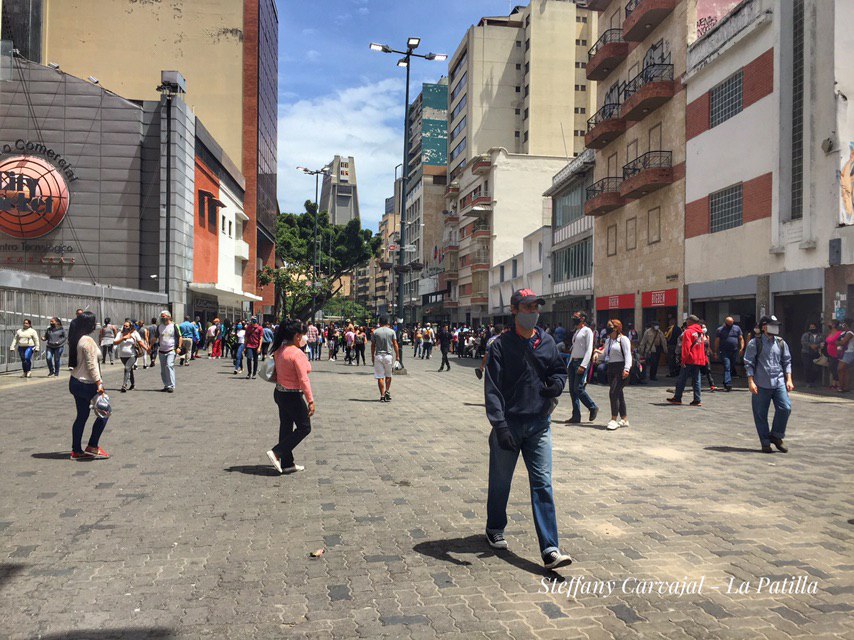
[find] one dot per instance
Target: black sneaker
(593, 413)
(696, 403)
(382, 399)
(387, 396)
(496, 540)
(574, 421)
(778, 442)
(766, 448)
(556, 559)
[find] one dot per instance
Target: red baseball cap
(525, 296)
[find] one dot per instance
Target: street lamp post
(316, 173)
(405, 61)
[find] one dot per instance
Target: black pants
(652, 363)
(292, 412)
(251, 361)
(445, 362)
(615, 393)
(265, 347)
(105, 350)
(707, 371)
(360, 351)
(672, 359)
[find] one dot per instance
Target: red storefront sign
(606, 303)
(663, 298)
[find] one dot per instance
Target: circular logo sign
(33, 197)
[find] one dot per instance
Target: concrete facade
(339, 194)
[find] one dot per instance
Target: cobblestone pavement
(187, 532)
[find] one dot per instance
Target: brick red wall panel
(697, 217)
(757, 196)
(205, 232)
(758, 78)
(697, 116)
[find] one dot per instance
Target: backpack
(777, 339)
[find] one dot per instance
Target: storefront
(659, 306)
(621, 307)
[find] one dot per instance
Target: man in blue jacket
(524, 377)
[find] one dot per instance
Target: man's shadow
(476, 544)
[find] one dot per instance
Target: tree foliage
(341, 249)
(347, 309)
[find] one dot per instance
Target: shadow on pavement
(474, 404)
(374, 400)
(8, 570)
(254, 470)
(725, 449)
(597, 427)
(56, 455)
(154, 633)
(476, 544)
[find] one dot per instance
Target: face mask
(772, 329)
(527, 320)
(610, 328)
(303, 341)
(239, 327)
(576, 321)
(705, 330)
(164, 320)
(814, 330)
(655, 326)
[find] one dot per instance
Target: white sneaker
(293, 468)
(274, 460)
(623, 423)
(613, 425)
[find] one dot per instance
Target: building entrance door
(795, 311)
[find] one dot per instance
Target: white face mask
(772, 329)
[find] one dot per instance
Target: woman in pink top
(832, 356)
(293, 394)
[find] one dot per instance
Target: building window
(653, 225)
(725, 99)
(581, 110)
(580, 65)
(581, 87)
(581, 43)
(518, 89)
(501, 273)
(459, 108)
(725, 208)
(612, 240)
(223, 223)
(579, 133)
(631, 234)
(798, 111)
(518, 67)
(574, 261)
(230, 228)
(459, 128)
(459, 87)
(458, 64)
(569, 206)
(518, 43)
(540, 252)
(518, 133)
(458, 150)
(517, 111)
(515, 268)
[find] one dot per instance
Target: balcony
(481, 230)
(479, 261)
(604, 127)
(452, 190)
(416, 265)
(481, 165)
(647, 91)
(642, 16)
(386, 264)
(598, 5)
(604, 196)
(647, 173)
(609, 51)
(450, 217)
(479, 298)
(241, 249)
(477, 206)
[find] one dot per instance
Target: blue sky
(337, 96)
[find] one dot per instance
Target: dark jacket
(512, 387)
(444, 340)
(55, 337)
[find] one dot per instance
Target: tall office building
(518, 99)
(425, 194)
(339, 195)
(226, 49)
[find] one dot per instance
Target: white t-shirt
(619, 350)
(126, 346)
(166, 335)
(241, 336)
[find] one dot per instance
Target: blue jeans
(729, 358)
(54, 358)
(26, 355)
(535, 438)
(578, 390)
(782, 409)
(694, 371)
(238, 357)
(83, 393)
(167, 369)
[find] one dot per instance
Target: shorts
(848, 358)
(383, 365)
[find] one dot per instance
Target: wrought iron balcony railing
(647, 75)
(649, 160)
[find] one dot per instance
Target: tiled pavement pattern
(187, 533)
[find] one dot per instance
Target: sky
(338, 97)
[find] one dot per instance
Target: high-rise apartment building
(424, 200)
(226, 49)
(638, 133)
(518, 99)
(339, 195)
(769, 219)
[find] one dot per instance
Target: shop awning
(212, 289)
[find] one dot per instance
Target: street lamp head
(375, 46)
(438, 57)
(403, 62)
(413, 43)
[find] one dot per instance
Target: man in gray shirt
(384, 351)
(579, 360)
(769, 376)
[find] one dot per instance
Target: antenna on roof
(563, 135)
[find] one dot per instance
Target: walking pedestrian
(216, 339)
(617, 352)
(359, 344)
(55, 339)
(292, 395)
(524, 376)
(811, 342)
(427, 340)
(693, 360)
(189, 333)
(253, 339)
(652, 345)
(106, 338)
(130, 345)
(84, 384)
(384, 351)
(769, 376)
(198, 336)
(152, 342)
(26, 342)
(706, 369)
(672, 335)
(579, 361)
(239, 347)
(313, 335)
(168, 338)
(444, 338)
(349, 341)
(729, 345)
(266, 340)
(417, 341)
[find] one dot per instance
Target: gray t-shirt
(383, 340)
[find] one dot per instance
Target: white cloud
(364, 11)
(364, 122)
(312, 55)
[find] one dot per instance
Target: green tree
(341, 250)
(347, 309)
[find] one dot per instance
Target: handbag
(541, 374)
(269, 369)
(821, 361)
